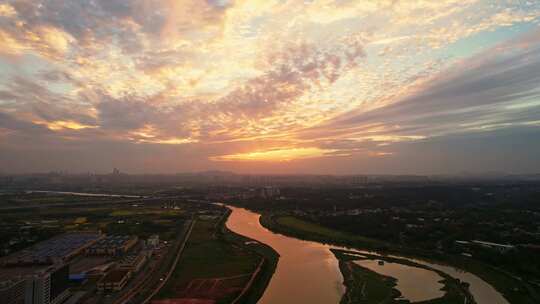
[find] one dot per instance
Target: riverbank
(220, 265)
(514, 290)
(367, 286)
(269, 261)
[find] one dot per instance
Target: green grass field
(298, 224)
(208, 257)
(306, 229)
(365, 286)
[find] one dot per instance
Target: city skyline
(270, 87)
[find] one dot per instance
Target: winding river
(307, 272)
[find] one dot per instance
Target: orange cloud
(7, 10)
(63, 124)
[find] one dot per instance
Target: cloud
(293, 72)
(230, 78)
(11, 123)
(34, 101)
(124, 114)
(476, 92)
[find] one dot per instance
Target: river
(408, 278)
(307, 272)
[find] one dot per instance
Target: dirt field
(214, 288)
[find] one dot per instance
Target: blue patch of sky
(25, 66)
(29, 67)
(479, 42)
(6, 71)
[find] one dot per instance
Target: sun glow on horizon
(286, 154)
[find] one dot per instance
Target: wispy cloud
(498, 85)
(261, 80)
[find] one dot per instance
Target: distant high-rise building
(269, 192)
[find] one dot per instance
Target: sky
(270, 86)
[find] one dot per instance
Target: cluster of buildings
(130, 263)
(114, 280)
(35, 286)
(56, 250)
(266, 192)
(41, 273)
(269, 192)
(113, 245)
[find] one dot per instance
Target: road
(158, 276)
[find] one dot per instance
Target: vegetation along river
(308, 272)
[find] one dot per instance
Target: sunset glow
(222, 82)
(275, 155)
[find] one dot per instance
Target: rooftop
(112, 241)
(114, 276)
(57, 247)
